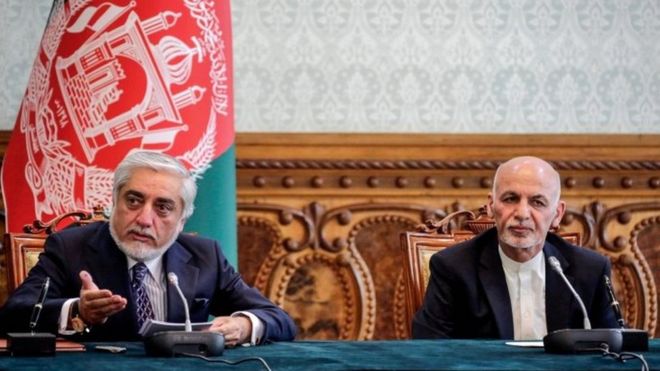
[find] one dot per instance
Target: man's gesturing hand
(97, 305)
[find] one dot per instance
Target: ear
(182, 223)
(489, 205)
(559, 214)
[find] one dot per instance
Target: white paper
(526, 344)
(150, 327)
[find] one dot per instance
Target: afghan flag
(116, 76)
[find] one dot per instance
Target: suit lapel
(491, 275)
(176, 261)
(108, 266)
(109, 269)
(558, 298)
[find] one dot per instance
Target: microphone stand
(33, 343)
(580, 340)
(171, 343)
(633, 339)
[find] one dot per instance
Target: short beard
(139, 251)
(523, 246)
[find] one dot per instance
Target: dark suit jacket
(210, 285)
(467, 295)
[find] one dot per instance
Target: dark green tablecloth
(346, 355)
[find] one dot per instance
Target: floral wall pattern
(516, 66)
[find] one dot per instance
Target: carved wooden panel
(319, 215)
(331, 269)
(340, 272)
(324, 214)
(630, 236)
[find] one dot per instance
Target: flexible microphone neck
(554, 264)
(187, 342)
(174, 280)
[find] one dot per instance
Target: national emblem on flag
(111, 77)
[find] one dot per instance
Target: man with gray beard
(499, 285)
(107, 279)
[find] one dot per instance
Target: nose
(522, 211)
(144, 217)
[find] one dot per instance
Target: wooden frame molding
(320, 215)
(348, 197)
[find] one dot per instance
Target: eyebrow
(545, 200)
(533, 197)
(164, 200)
(133, 193)
(158, 199)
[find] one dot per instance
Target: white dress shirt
(155, 285)
(526, 284)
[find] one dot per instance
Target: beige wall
(418, 66)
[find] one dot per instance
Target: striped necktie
(144, 310)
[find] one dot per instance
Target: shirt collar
(154, 265)
(534, 264)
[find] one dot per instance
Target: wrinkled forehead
(530, 176)
(154, 183)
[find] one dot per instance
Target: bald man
(499, 284)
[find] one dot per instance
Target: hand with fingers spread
(96, 305)
(236, 330)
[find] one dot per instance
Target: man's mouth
(140, 236)
(519, 230)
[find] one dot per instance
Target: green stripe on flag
(215, 206)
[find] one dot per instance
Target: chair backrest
(420, 245)
(22, 249)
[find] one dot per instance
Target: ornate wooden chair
(420, 245)
(22, 249)
(638, 305)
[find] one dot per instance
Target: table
(343, 355)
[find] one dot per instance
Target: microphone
(554, 264)
(36, 311)
(614, 303)
(174, 280)
(580, 340)
(171, 343)
(633, 339)
(33, 343)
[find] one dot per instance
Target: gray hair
(158, 162)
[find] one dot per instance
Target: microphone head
(172, 278)
(554, 264)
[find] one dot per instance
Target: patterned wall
(517, 66)
(22, 24)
